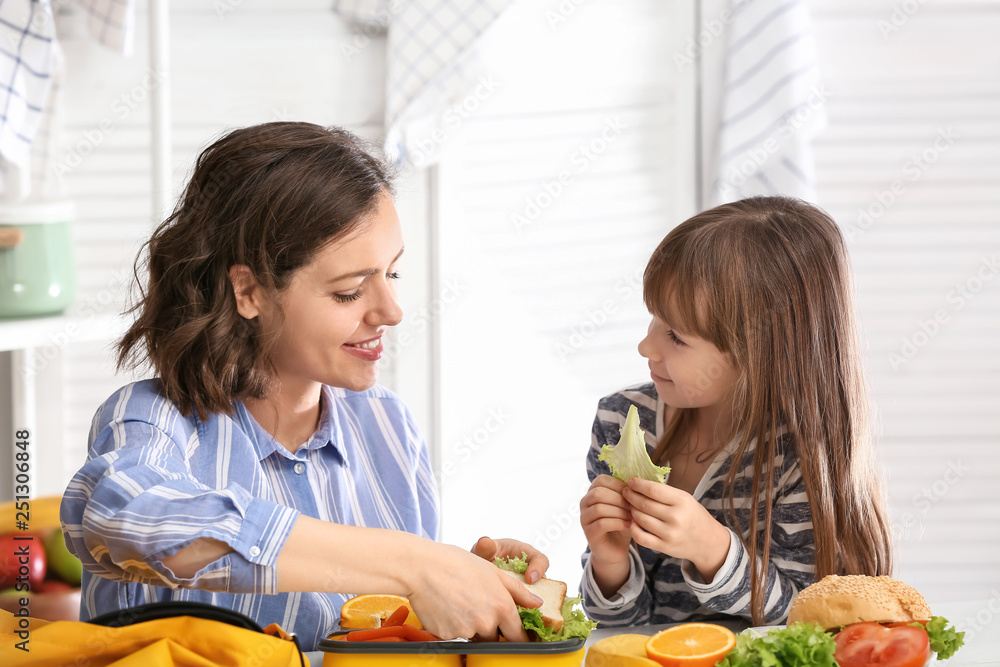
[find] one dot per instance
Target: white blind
(908, 167)
(553, 196)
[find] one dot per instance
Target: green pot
(37, 271)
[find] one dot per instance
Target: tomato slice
(864, 644)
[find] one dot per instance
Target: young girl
(263, 470)
(758, 404)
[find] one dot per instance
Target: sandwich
(868, 613)
(553, 594)
(556, 619)
(851, 621)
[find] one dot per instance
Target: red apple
(22, 561)
(53, 586)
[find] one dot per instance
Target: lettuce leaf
(945, 640)
(575, 623)
(512, 563)
(798, 645)
(629, 457)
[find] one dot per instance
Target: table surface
(980, 619)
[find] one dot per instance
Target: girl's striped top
(664, 589)
(155, 480)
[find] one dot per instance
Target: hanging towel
(31, 71)
(773, 102)
(112, 23)
(432, 66)
(29, 59)
(374, 14)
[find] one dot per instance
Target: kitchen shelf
(58, 330)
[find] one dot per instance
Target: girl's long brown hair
(768, 280)
(268, 197)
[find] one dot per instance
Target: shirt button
(254, 551)
(299, 468)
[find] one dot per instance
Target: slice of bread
(552, 592)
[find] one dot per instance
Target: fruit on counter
(371, 611)
(42, 513)
(620, 651)
(55, 586)
(60, 561)
(690, 645)
(21, 550)
(629, 457)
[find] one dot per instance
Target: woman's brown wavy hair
(268, 197)
(768, 280)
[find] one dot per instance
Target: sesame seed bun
(835, 601)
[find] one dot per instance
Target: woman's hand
(489, 549)
(457, 594)
(607, 521)
(671, 521)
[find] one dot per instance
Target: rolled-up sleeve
(136, 502)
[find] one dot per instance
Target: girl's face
(337, 308)
(689, 372)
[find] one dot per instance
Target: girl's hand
(607, 522)
(671, 521)
(456, 594)
(489, 549)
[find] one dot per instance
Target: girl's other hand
(489, 549)
(456, 594)
(607, 521)
(671, 521)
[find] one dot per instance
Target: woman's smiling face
(337, 308)
(688, 371)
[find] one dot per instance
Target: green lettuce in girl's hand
(629, 457)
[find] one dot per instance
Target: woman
(263, 470)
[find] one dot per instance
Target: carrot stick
(387, 639)
(397, 617)
(414, 635)
(375, 633)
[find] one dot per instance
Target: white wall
(914, 133)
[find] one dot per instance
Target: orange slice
(690, 645)
(368, 611)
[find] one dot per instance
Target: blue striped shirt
(155, 480)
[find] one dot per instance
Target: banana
(43, 515)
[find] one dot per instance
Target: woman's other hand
(489, 549)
